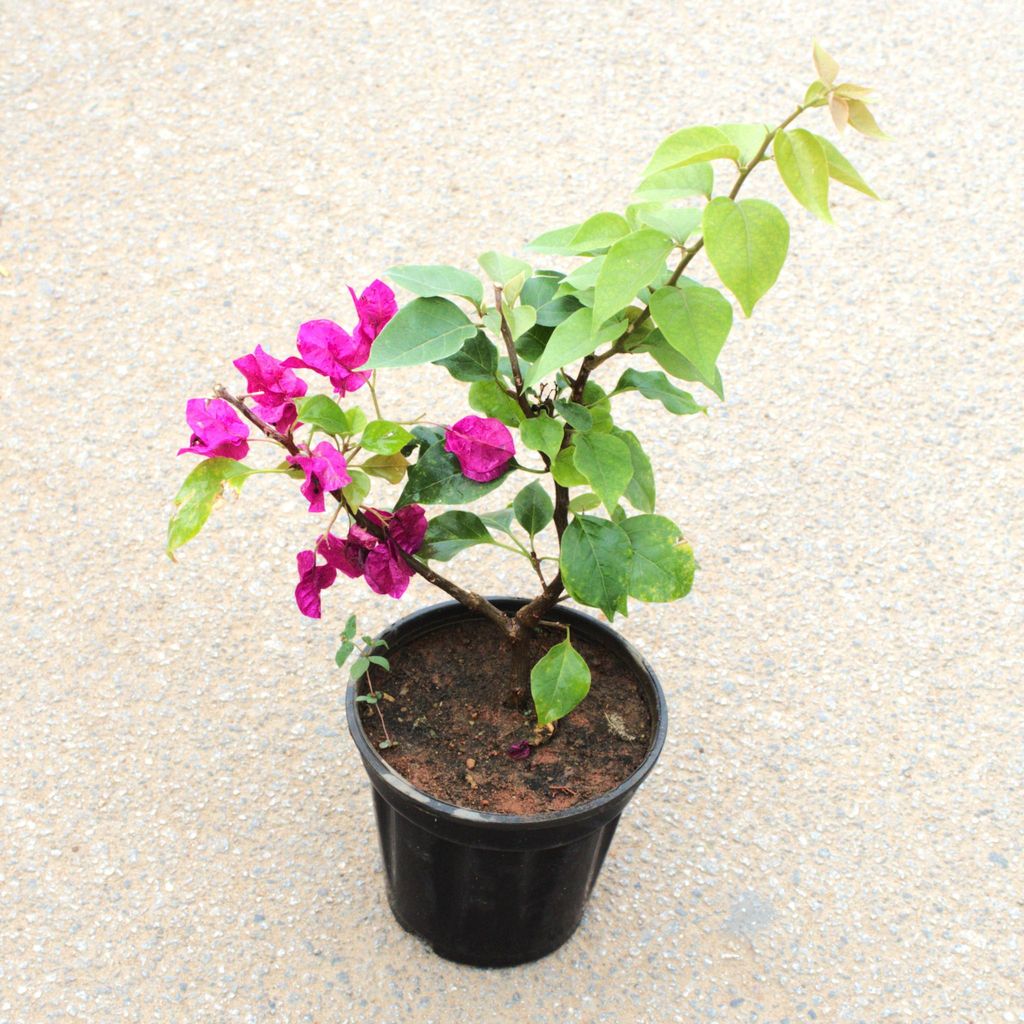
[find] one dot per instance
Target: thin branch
(513, 356)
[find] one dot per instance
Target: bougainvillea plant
(529, 352)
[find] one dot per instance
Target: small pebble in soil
(470, 762)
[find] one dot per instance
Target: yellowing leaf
(826, 66)
(862, 119)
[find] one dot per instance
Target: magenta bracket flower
(313, 579)
(274, 387)
(375, 307)
(325, 469)
(216, 429)
(483, 446)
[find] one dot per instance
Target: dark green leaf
(198, 495)
(388, 467)
(436, 479)
(656, 386)
(489, 398)
(452, 532)
(641, 491)
(577, 416)
(421, 332)
(476, 360)
(533, 508)
(595, 563)
(558, 682)
(663, 565)
(438, 280)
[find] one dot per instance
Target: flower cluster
(375, 552)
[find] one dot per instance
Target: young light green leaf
(606, 463)
(558, 682)
(198, 495)
(816, 95)
(501, 269)
(691, 146)
(598, 232)
(556, 242)
(596, 562)
(676, 364)
(388, 467)
(488, 397)
(435, 279)
(695, 321)
(476, 360)
(585, 275)
(840, 169)
(571, 340)
(863, 120)
(452, 532)
(826, 66)
(678, 183)
(520, 319)
(541, 433)
(533, 508)
(803, 167)
(436, 479)
(584, 502)
(662, 566)
(655, 385)
(324, 413)
(747, 138)
(678, 222)
(641, 490)
(420, 332)
(356, 492)
(385, 437)
(630, 264)
(746, 241)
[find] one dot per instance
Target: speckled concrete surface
(834, 832)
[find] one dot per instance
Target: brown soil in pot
(452, 732)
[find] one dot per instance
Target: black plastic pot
(494, 890)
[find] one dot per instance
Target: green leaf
(531, 344)
(691, 146)
(598, 232)
(388, 467)
(343, 652)
(675, 364)
(197, 496)
(662, 567)
(816, 95)
(501, 269)
(695, 321)
(678, 222)
(678, 183)
(656, 386)
(500, 520)
(541, 292)
(435, 279)
(520, 319)
(487, 397)
(356, 492)
(422, 331)
(541, 433)
(380, 661)
(803, 167)
(605, 461)
(595, 563)
(385, 437)
(599, 406)
(641, 490)
(476, 360)
(324, 413)
(558, 682)
(564, 470)
(863, 120)
(747, 138)
(556, 241)
(571, 340)
(630, 264)
(350, 628)
(452, 532)
(436, 479)
(577, 416)
(533, 508)
(841, 170)
(746, 241)
(584, 502)
(585, 275)
(359, 667)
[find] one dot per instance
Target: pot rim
(491, 820)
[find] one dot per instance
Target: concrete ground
(834, 830)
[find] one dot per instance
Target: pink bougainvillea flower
(482, 445)
(519, 751)
(375, 307)
(325, 470)
(216, 429)
(272, 383)
(406, 526)
(386, 571)
(313, 579)
(347, 555)
(331, 351)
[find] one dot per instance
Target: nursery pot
(494, 890)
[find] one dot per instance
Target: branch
(513, 356)
(284, 440)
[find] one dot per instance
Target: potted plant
(497, 785)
